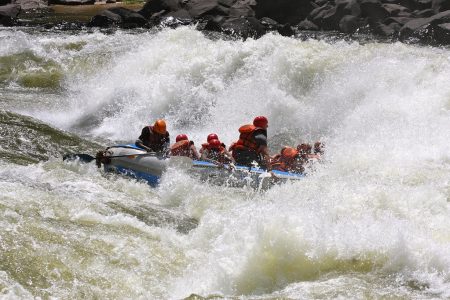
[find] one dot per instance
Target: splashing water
(373, 221)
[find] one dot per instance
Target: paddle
(86, 158)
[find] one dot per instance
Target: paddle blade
(86, 158)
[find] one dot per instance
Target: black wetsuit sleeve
(144, 137)
(167, 142)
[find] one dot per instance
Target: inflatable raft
(135, 162)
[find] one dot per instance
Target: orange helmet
(260, 121)
(289, 152)
(181, 137)
(160, 126)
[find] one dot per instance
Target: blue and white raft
(133, 161)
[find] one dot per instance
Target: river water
(372, 221)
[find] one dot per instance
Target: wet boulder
(119, 16)
(426, 13)
(152, 7)
(307, 25)
(442, 33)
(440, 5)
(245, 27)
(105, 19)
(8, 14)
(349, 24)
(201, 8)
(421, 29)
(130, 18)
(374, 10)
(283, 11)
(395, 10)
(242, 8)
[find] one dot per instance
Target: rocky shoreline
(412, 21)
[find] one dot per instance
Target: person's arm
(194, 150)
(204, 155)
(264, 151)
(140, 141)
(229, 156)
(140, 144)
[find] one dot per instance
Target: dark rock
(174, 22)
(8, 14)
(411, 4)
(307, 25)
(349, 7)
(286, 30)
(373, 10)
(71, 2)
(200, 8)
(269, 23)
(317, 13)
(330, 18)
(424, 4)
(442, 33)
(395, 9)
(243, 27)
(105, 19)
(155, 6)
(348, 24)
(426, 13)
(440, 5)
(243, 8)
(179, 14)
(385, 30)
(214, 23)
(420, 28)
(283, 11)
(398, 20)
(4, 2)
(110, 1)
(130, 18)
(319, 3)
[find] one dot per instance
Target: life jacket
(181, 148)
(287, 161)
(246, 140)
(155, 140)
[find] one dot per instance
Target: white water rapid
(372, 221)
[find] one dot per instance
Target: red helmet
(214, 144)
(212, 136)
(181, 137)
(260, 121)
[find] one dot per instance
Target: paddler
(184, 147)
(155, 138)
(252, 144)
(216, 152)
(289, 160)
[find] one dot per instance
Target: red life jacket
(246, 140)
(287, 160)
(181, 148)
